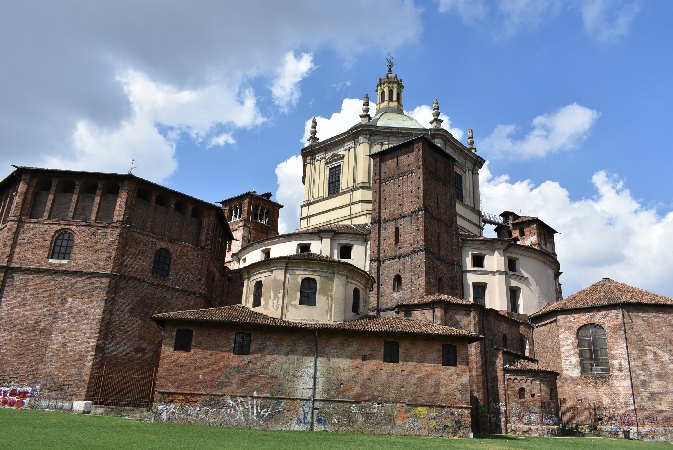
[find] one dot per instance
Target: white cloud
(423, 113)
(96, 72)
(608, 21)
(604, 20)
(338, 122)
(290, 192)
(221, 140)
(608, 235)
(559, 130)
(285, 88)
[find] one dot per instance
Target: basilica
(386, 311)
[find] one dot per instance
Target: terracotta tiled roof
(528, 365)
(605, 292)
(239, 314)
(434, 298)
(339, 228)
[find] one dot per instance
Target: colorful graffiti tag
(14, 396)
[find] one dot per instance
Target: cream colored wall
(353, 204)
(322, 243)
(534, 276)
(281, 288)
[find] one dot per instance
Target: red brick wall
(539, 405)
(412, 191)
(280, 367)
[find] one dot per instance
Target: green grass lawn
(27, 429)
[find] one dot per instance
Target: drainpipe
(315, 381)
(628, 361)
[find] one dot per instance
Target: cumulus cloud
(423, 113)
(338, 122)
(290, 192)
(610, 234)
(608, 21)
(221, 140)
(285, 88)
(94, 72)
(604, 20)
(562, 129)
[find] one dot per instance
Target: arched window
(257, 295)
(356, 301)
(522, 393)
(307, 291)
(390, 95)
(162, 263)
(62, 246)
(593, 348)
(383, 96)
(397, 283)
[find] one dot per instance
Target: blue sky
(570, 102)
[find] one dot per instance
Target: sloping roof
(337, 227)
(605, 292)
(435, 298)
(529, 366)
(239, 314)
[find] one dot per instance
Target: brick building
(86, 259)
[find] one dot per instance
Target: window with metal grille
(307, 291)
(397, 283)
(593, 347)
(242, 344)
(334, 180)
(162, 263)
(183, 340)
(356, 301)
(459, 187)
(449, 355)
(479, 293)
(391, 351)
(257, 295)
(62, 246)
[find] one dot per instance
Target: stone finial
(365, 117)
(436, 122)
(314, 130)
(470, 140)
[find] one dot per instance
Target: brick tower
(414, 247)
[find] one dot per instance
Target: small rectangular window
(478, 260)
(459, 187)
(266, 253)
(479, 293)
(183, 340)
(514, 300)
(242, 344)
(304, 248)
(511, 264)
(449, 355)
(345, 251)
(334, 180)
(391, 351)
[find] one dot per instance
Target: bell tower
(389, 90)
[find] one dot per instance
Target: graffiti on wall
(15, 396)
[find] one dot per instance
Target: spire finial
(365, 117)
(470, 140)
(436, 122)
(389, 61)
(314, 130)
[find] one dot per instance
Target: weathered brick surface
(280, 368)
(532, 401)
(413, 193)
(64, 320)
(606, 402)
